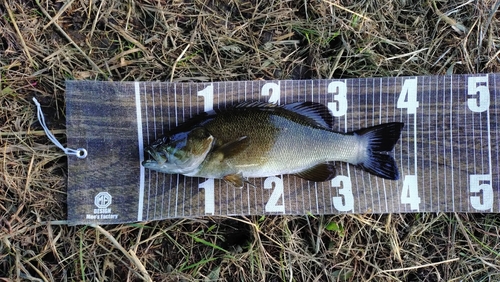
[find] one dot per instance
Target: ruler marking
(154, 133)
(370, 180)
(438, 177)
(429, 92)
(437, 150)
(415, 149)
(362, 124)
(451, 146)
(184, 180)
(495, 94)
(422, 173)
(162, 133)
(391, 100)
(445, 167)
(373, 82)
(256, 205)
(308, 190)
(488, 127)
(315, 184)
(177, 176)
(346, 129)
(396, 94)
(248, 188)
(380, 122)
(171, 177)
(458, 140)
(466, 129)
(193, 97)
(140, 143)
(145, 87)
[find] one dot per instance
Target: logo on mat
(102, 200)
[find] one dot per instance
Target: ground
(43, 43)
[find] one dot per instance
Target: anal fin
(318, 173)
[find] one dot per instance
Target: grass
(43, 43)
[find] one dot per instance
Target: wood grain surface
(447, 146)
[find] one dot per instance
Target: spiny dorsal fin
(310, 112)
(315, 113)
(318, 173)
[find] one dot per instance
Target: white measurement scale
(448, 153)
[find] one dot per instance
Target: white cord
(80, 152)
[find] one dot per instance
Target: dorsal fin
(315, 113)
(310, 112)
(255, 104)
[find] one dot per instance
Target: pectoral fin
(234, 147)
(318, 173)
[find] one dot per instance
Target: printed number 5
(481, 183)
(478, 85)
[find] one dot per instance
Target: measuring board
(448, 153)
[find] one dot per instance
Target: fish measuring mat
(448, 152)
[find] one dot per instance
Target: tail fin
(380, 140)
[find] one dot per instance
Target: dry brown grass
(42, 43)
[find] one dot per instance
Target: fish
(259, 139)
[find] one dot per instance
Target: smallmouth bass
(256, 139)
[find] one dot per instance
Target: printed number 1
(209, 195)
(208, 98)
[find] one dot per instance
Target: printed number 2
(478, 85)
(272, 203)
(274, 89)
(481, 183)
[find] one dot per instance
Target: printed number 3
(345, 202)
(339, 91)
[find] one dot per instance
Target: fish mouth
(158, 157)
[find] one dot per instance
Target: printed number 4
(408, 96)
(409, 194)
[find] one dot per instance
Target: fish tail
(380, 140)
